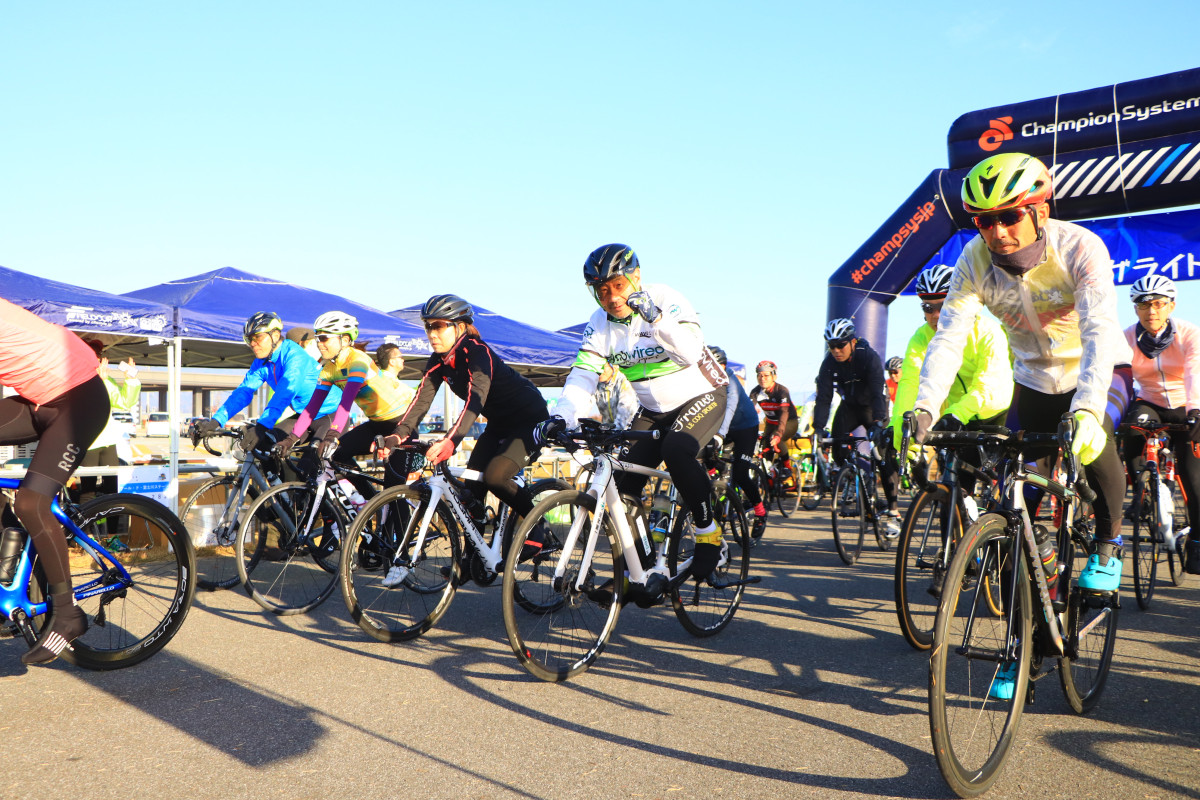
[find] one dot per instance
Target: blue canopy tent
(543, 356)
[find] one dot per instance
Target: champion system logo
(998, 134)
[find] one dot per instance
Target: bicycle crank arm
(733, 584)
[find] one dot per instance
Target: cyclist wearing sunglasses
(780, 420)
(856, 371)
(894, 368)
(488, 387)
(1166, 367)
(288, 369)
(1050, 284)
(378, 394)
(652, 334)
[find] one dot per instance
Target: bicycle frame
(441, 486)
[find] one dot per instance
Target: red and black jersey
(774, 402)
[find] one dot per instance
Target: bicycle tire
(920, 563)
(847, 503)
(778, 493)
(793, 501)
(1175, 557)
(130, 624)
(282, 571)
(706, 607)
(817, 488)
(876, 504)
(1083, 673)
(1143, 546)
(216, 567)
(973, 732)
(556, 630)
(387, 525)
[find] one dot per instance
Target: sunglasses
(838, 344)
(325, 337)
(438, 324)
(931, 308)
(985, 222)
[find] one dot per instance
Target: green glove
(1090, 437)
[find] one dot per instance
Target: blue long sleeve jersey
(292, 374)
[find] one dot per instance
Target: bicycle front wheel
(382, 548)
(706, 606)
(921, 563)
(287, 551)
(1091, 638)
(132, 619)
(212, 520)
(978, 673)
(849, 516)
(1144, 514)
(559, 626)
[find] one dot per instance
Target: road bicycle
(561, 606)
(133, 572)
(857, 500)
(411, 547)
(773, 482)
(1000, 621)
(730, 502)
(1152, 512)
(815, 474)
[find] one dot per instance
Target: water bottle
(1045, 548)
(1166, 516)
(12, 542)
(356, 499)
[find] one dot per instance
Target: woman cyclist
(652, 334)
(1166, 368)
(489, 388)
(62, 404)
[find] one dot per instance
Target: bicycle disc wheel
(212, 521)
(384, 535)
(849, 516)
(921, 564)
(1091, 638)
(1143, 513)
(558, 627)
(131, 621)
(705, 607)
(972, 730)
(288, 562)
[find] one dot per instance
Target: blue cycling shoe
(1004, 685)
(1103, 570)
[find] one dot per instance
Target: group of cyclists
(1056, 348)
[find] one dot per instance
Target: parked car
(158, 423)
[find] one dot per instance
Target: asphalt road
(811, 692)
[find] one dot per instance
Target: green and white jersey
(666, 362)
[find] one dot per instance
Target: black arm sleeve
(431, 381)
(480, 367)
(824, 395)
(874, 380)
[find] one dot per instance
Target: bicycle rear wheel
(705, 607)
(921, 563)
(129, 621)
(287, 563)
(1091, 638)
(779, 494)
(384, 535)
(973, 717)
(212, 520)
(849, 516)
(559, 627)
(1143, 513)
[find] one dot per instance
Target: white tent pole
(174, 392)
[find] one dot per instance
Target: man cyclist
(894, 368)
(856, 371)
(652, 334)
(1166, 367)
(287, 368)
(779, 413)
(739, 429)
(1050, 284)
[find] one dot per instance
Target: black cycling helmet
(718, 354)
(448, 306)
(608, 262)
(894, 363)
(260, 322)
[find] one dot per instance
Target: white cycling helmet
(338, 322)
(1152, 286)
(934, 281)
(840, 328)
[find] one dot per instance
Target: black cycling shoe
(760, 525)
(68, 624)
(534, 541)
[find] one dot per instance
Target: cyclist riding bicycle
(512, 405)
(779, 413)
(739, 428)
(287, 368)
(1050, 284)
(652, 334)
(894, 369)
(379, 395)
(1166, 368)
(856, 371)
(62, 404)
(982, 389)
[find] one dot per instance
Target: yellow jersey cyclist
(982, 389)
(1050, 284)
(380, 395)
(1166, 368)
(779, 417)
(652, 334)
(855, 371)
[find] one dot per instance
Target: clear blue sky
(390, 151)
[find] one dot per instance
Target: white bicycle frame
(491, 554)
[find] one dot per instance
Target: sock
(760, 510)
